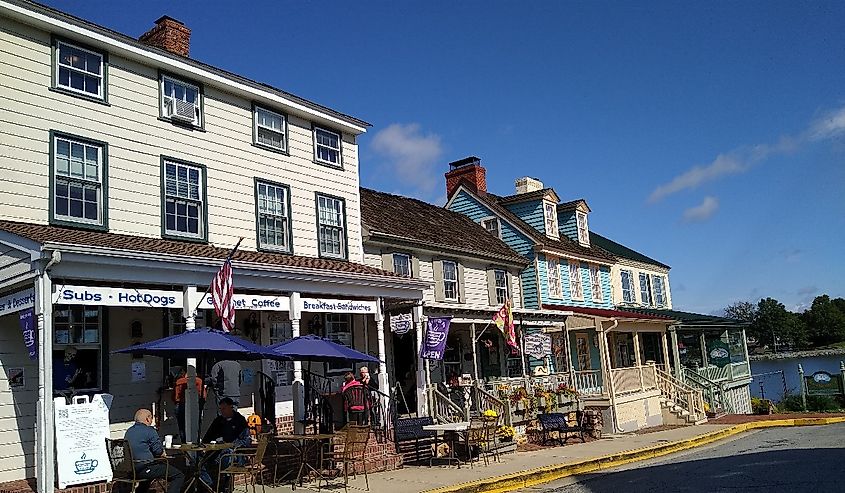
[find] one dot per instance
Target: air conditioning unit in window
(181, 110)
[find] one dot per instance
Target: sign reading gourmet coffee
(253, 302)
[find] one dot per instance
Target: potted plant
(519, 398)
(506, 433)
(544, 399)
(565, 394)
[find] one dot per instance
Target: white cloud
(702, 211)
(742, 159)
(410, 154)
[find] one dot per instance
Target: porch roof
(607, 313)
(485, 314)
(691, 320)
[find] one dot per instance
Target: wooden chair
(250, 465)
(123, 465)
(354, 446)
(478, 436)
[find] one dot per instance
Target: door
(582, 348)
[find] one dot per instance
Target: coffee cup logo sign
(85, 466)
(435, 338)
(821, 377)
(81, 431)
(401, 324)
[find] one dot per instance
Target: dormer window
(491, 224)
(583, 230)
(550, 210)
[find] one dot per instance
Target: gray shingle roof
(622, 251)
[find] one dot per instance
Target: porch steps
(674, 414)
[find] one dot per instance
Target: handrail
(715, 391)
(443, 409)
(684, 396)
(483, 400)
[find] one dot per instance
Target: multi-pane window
(492, 225)
(270, 129)
(583, 230)
(659, 290)
(78, 171)
(645, 289)
(402, 264)
(628, 287)
(273, 216)
(332, 227)
(576, 290)
(595, 283)
(450, 280)
(502, 291)
(551, 218)
(77, 348)
(339, 330)
(180, 101)
(184, 198)
(79, 70)
(281, 371)
(327, 146)
(553, 274)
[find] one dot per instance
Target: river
(773, 384)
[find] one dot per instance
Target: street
(771, 460)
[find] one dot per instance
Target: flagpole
(228, 259)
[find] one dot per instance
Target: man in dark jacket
(146, 448)
(229, 427)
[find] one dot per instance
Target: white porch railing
(634, 379)
(682, 395)
(588, 382)
(729, 372)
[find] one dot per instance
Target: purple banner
(434, 344)
(28, 329)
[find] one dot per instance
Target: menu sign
(81, 431)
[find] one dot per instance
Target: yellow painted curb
(532, 477)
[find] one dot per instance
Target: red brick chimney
(168, 34)
(467, 171)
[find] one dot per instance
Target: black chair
(123, 466)
(356, 404)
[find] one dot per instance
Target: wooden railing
(588, 382)
(443, 410)
(634, 379)
(726, 373)
(483, 401)
(682, 395)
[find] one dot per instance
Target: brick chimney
(467, 171)
(168, 34)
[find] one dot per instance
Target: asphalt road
(800, 459)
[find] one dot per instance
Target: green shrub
(815, 403)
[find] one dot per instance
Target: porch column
(45, 451)
(381, 327)
(605, 363)
(673, 332)
(745, 351)
(703, 350)
(474, 351)
(298, 393)
(637, 358)
(665, 343)
(423, 376)
(189, 304)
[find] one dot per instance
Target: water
(773, 384)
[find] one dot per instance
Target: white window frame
(281, 214)
(645, 289)
(576, 288)
(595, 283)
(281, 132)
(331, 205)
(407, 262)
(447, 281)
(583, 228)
(492, 220)
(338, 149)
(167, 99)
(101, 93)
(176, 198)
(80, 181)
(550, 214)
(60, 343)
(632, 288)
(502, 289)
(659, 289)
(553, 278)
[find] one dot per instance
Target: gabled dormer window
(550, 211)
(583, 230)
(491, 224)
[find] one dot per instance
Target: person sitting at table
(354, 399)
(229, 427)
(147, 450)
(179, 398)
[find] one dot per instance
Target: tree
(774, 325)
(826, 321)
(744, 311)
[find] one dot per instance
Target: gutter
(614, 419)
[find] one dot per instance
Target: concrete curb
(531, 477)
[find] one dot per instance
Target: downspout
(613, 417)
(45, 464)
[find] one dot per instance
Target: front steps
(674, 414)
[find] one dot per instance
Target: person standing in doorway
(227, 376)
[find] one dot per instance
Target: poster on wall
(538, 346)
(16, 378)
(139, 371)
(81, 431)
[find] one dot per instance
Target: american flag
(222, 295)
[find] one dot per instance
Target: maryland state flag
(504, 321)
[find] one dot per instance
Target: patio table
(304, 443)
(195, 473)
(451, 431)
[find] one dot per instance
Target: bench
(411, 430)
(550, 422)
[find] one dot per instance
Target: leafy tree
(741, 310)
(774, 325)
(826, 321)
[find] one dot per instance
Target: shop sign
(16, 302)
(81, 431)
(538, 346)
(27, 318)
(401, 324)
(337, 306)
(823, 383)
(436, 334)
(253, 302)
(718, 353)
(103, 296)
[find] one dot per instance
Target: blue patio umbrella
(204, 342)
(314, 348)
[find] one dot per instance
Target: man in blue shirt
(146, 447)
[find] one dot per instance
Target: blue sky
(709, 135)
